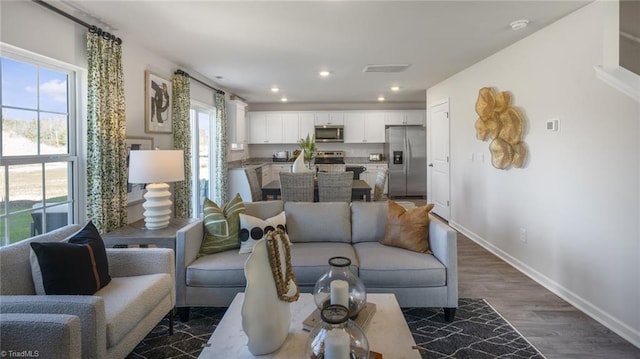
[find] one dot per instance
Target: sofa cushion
(311, 260)
(368, 221)
(318, 222)
(263, 209)
(253, 229)
(224, 269)
(128, 300)
(408, 229)
(391, 267)
(222, 225)
(78, 267)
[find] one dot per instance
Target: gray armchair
(108, 324)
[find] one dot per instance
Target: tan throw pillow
(408, 229)
(222, 226)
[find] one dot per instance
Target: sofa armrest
(40, 335)
(188, 242)
(90, 310)
(129, 262)
(443, 243)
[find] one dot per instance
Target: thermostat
(552, 125)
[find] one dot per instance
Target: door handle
(430, 164)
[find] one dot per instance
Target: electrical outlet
(523, 235)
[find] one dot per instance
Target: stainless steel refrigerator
(406, 150)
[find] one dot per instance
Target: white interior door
(439, 164)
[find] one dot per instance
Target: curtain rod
(92, 28)
(181, 72)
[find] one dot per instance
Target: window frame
(76, 143)
(197, 106)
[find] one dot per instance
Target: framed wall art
(158, 102)
(135, 191)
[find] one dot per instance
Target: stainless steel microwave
(329, 133)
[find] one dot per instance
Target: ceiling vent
(386, 68)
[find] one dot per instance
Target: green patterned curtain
(182, 141)
(220, 181)
(106, 147)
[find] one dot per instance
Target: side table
(136, 234)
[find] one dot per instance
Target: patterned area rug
(478, 332)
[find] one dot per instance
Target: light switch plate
(552, 124)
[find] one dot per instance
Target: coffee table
(387, 333)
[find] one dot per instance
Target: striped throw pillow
(222, 226)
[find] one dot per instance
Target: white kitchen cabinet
(290, 127)
(257, 127)
(405, 117)
(274, 127)
(236, 120)
(364, 127)
(329, 118)
(265, 127)
(354, 127)
(277, 168)
(306, 125)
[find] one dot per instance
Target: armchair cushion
(78, 267)
(128, 301)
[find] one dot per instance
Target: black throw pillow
(78, 267)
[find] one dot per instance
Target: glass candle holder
(336, 337)
(340, 286)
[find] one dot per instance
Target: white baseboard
(615, 325)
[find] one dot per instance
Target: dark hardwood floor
(552, 325)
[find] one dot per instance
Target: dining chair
(254, 184)
(335, 186)
(296, 187)
(381, 181)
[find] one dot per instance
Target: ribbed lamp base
(157, 206)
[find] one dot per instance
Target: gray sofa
(320, 231)
(108, 324)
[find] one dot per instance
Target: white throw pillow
(253, 229)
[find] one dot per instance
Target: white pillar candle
(337, 345)
(340, 292)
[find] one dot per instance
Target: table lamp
(156, 167)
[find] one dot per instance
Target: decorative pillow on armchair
(408, 229)
(77, 267)
(253, 229)
(222, 226)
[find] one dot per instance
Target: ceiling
(247, 47)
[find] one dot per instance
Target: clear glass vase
(340, 286)
(336, 337)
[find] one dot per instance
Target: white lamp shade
(156, 166)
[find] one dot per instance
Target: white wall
(32, 27)
(578, 194)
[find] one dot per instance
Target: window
(38, 158)
(202, 127)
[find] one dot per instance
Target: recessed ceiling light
(275, 89)
(395, 88)
(519, 24)
(284, 99)
(380, 98)
(324, 73)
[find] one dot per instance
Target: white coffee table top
(387, 333)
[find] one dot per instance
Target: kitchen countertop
(260, 161)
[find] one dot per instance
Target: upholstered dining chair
(335, 186)
(254, 184)
(296, 187)
(381, 181)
